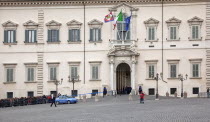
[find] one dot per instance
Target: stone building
(44, 41)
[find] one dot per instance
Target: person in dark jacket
(53, 101)
(208, 95)
(140, 89)
(104, 91)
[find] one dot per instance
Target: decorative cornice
(151, 21)
(38, 3)
(95, 22)
(173, 20)
(123, 4)
(195, 19)
(73, 23)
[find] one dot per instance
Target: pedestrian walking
(208, 95)
(104, 91)
(53, 101)
(142, 97)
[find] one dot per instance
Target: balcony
(122, 42)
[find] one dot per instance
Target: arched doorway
(123, 78)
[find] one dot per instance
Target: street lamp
(157, 78)
(57, 82)
(181, 78)
(73, 80)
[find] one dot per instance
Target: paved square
(111, 109)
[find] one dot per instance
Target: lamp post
(157, 78)
(73, 80)
(181, 78)
(57, 82)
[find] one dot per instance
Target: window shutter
(153, 33)
(196, 32)
(49, 36)
(149, 35)
(26, 35)
(55, 77)
(32, 74)
(175, 30)
(193, 32)
(28, 74)
(57, 39)
(91, 34)
(8, 75)
(35, 34)
(5, 36)
(71, 35)
(96, 72)
(72, 72)
(99, 34)
(14, 36)
(51, 73)
(78, 32)
(11, 75)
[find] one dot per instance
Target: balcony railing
(122, 42)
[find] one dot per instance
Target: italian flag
(118, 18)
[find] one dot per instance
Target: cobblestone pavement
(111, 109)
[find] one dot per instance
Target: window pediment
(31, 24)
(123, 4)
(173, 21)
(53, 24)
(195, 21)
(151, 21)
(95, 23)
(10, 25)
(74, 24)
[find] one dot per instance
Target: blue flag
(127, 21)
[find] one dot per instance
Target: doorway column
(111, 63)
(133, 73)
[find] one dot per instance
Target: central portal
(123, 78)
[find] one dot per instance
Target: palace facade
(46, 41)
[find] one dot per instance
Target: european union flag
(127, 21)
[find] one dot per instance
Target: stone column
(111, 63)
(133, 75)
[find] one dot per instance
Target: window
(173, 28)
(173, 33)
(95, 74)
(74, 93)
(151, 71)
(172, 90)
(53, 73)
(122, 34)
(94, 92)
(151, 68)
(31, 94)
(9, 36)
(95, 30)
(95, 34)
(195, 70)
(31, 31)
(53, 31)
(151, 91)
(95, 70)
(195, 90)
(173, 70)
(10, 32)
(151, 26)
(195, 26)
(30, 74)
(30, 36)
(195, 67)
(10, 75)
(53, 35)
(74, 72)
(195, 32)
(74, 35)
(151, 33)
(9, 94)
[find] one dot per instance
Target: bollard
(84, 98)
(130, 98)
(167, 94)
(96, 98)
(175, 94)
(185, 94)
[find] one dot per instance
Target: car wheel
(57, 102)
(69, 102)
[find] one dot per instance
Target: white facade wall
(64, 52)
